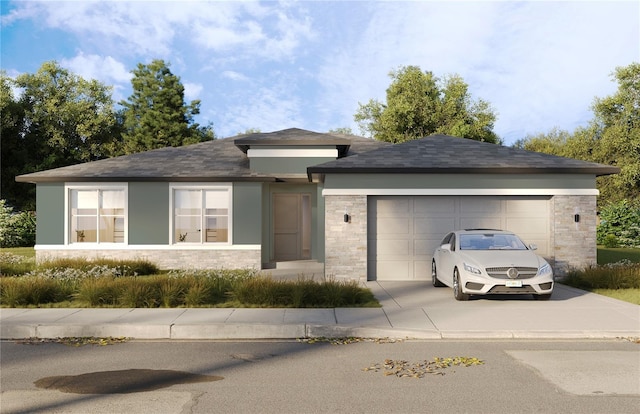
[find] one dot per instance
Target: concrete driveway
(570, 313)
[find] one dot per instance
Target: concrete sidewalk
(409, 310)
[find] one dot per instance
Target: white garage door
(403, 231)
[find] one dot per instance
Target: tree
(612, 138)
(616, 134)
(342, 130)
(156, 115)
(14, 154)
(419, 104)
(58, 119)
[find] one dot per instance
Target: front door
(291, 226)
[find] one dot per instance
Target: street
(567, 376)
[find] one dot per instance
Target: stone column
(346, 242)
(574, 242)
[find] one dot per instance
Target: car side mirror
(533, 246)
(446, 247)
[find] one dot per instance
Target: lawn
(613, 255)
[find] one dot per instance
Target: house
(368, 210)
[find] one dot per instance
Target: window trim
(201, 187)
(68, 187)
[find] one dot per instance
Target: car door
(444, 259)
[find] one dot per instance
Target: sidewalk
(409, 310)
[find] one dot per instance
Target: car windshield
(491, 242)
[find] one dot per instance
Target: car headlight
(544, 269)
(472, 269)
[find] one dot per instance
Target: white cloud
(233, 75)
(106, 69)
(267, 109)
(192, 90)
(538, 63)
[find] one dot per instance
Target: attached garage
(403, 231)
(387, 209)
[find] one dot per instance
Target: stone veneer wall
(346, 243)
(574, 244)
(168, 259)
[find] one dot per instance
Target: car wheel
(457, 289)
(546, 296)
(434, 276)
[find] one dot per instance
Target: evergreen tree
(156, 115)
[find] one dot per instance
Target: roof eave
(82, 179)
(597, 171)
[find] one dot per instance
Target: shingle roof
(446, 154)
(218, 160)
(225, 160)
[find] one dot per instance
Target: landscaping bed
(139, 284)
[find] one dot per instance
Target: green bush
(610, 241)
(622, 221)
(16, 229)
(620, 275)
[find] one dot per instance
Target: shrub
(14, 265)
(620, 275)
(610, 240)
(16, 229)
(102, 286)
(622, 221)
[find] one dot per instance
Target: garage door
(403, 231)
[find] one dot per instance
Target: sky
(272, 65)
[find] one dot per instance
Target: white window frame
(201, 187)
(97, 187)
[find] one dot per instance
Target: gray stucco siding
(285, 165)
(460, 181)
(247, 213)
(148, 213)
(50, 218)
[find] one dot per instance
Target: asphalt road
(295, 377)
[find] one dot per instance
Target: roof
(293, 136)
(226, 160)
(446, 155)
(217, 160)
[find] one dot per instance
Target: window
(201, 215)
(97, 215)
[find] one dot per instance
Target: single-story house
(367, 210)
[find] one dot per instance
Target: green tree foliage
(156, 115)
(58, 119)
(616, 135)
(612, 138)
(620, 225)
(419, 104)
(341, 130)
(16, 229)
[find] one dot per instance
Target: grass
(617, 275)
(139, 284)
(612, 255)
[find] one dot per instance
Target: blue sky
(307, 64)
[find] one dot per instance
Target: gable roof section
(445, 154)
(211, 161)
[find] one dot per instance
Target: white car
(484, 262)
